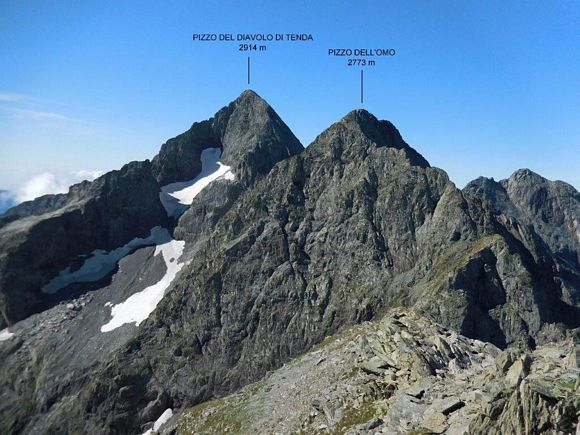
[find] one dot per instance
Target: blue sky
(479, 88)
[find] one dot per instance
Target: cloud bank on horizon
(44, 184)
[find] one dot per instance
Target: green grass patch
(354, 416)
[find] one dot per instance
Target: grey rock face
(552, 208)
(52, 353)
(425, 379)
(334, 236)
(250, 133)
(540, 218)
(313, 247)
(253, 139)
(71, 347)
(122, 205)
(52, 232)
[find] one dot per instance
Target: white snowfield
(100, 263)
(176, 196)
(167, 414)
(5, 334)
(138, 306)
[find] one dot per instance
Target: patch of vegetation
(419, 432)
(354, 416)
(457, 257)
(225, 415)
(26, 404)
(213, 417)
(568, 385)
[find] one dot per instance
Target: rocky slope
(51, 233)
(549, 211)
(550, 207)
(122, 205)
(298, 246)
(400, 375)
(355, 224)
(47, 357)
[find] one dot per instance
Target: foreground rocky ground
(405, 374)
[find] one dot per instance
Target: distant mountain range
(351, 269)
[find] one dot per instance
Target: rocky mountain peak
(526, 173)
(359, 131)
(253, 136)
(249, 97)
(552, 208)
(249, 132)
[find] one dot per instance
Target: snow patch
(138, 306)
(100, 263)
(5, 334)
(167, 414)
(176, 196)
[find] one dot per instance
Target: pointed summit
(254, 137)
(551, 207)
(360, 128)
(249, 132)
(250, 95)
(384, 133)
(249, 102)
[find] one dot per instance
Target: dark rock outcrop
(552, 208)
(104, 214)
(42, 204)
(250, 134)
(122, 205)
(355, 224)
(253, 139)
(541, 219)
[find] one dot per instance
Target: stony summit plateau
(241, 283)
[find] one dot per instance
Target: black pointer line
(362, 100)
(248, 69)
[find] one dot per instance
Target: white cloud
(88, 175)
(13, 102)
(48, 183)
(40, 116)
(39, 185)
(7, 200)
(9, 97)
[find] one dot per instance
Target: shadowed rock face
(51, 233)
(41, 237)
(543, 218)
(250, 133)
(552, 208)
(303, 244)
(334, 236)
(253, 139)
